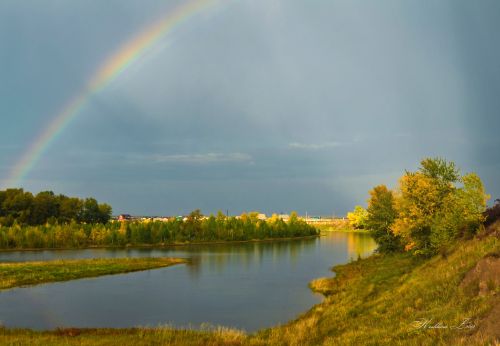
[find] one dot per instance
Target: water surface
(247, 286)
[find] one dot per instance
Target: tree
(461, 213)
(21, 207)
(17, 206)
(433, 210)
(105, 211)
(294, 217)
(381, 214)
(70, 209)
(417, 204)
(45, 206)
(357, 218)
(90, 211)
(192, 226)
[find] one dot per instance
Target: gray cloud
(203, 159)
(256, 104)
(315, 146)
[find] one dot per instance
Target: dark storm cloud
(268, 105)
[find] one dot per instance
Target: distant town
(311, 219)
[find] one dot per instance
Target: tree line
(23, 208)
(431, 208)
(196, 228)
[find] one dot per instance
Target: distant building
(162, 218)
(284, 217)
(124, 217)
(262, 216)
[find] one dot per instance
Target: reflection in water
(359, 245)
(246, 255)
(245, 285)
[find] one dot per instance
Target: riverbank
(397, 299)
(343, 230)
(385, 299)
(32, 273)
(164, 245)
(339, 225)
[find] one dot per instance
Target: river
(245, 285)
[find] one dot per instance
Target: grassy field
(373, 301)
(32, 273)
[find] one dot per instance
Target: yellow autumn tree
(357, 217)
(434, 209)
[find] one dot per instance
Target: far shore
(346, 230)
(163, 245)
(336, 228)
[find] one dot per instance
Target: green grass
(375, 301)
(372, 301)
(339, 226)
(130, 336)
(326, 228)
(32, 273)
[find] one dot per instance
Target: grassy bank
(32, 273)
(338, 225)
(374, 301)
(326, 228)
(377, 301)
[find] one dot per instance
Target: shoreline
(32, 273)
(376, 277)
(347, 231)
(161, 245)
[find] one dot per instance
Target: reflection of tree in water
(194, 266)
(217, 258)
(359, 244)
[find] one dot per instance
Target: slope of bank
(399, 299)
(382, 300)
(32, 273)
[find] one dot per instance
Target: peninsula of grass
(33, 273)
(380, 300)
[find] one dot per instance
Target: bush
(492, 214)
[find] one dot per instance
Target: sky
(265, 105)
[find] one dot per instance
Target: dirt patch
(484, 278)
(490, 325)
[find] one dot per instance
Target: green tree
(45, 206)
(70, 209)
(90, 211)
(381, 214)
(17, 206)
(105, 211)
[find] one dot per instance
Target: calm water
(246, 286)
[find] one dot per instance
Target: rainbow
(115, 65)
